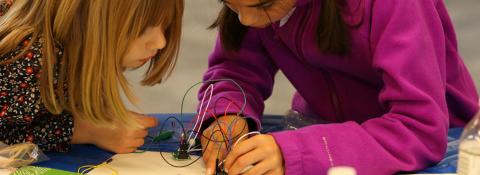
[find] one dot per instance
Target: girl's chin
(260, 26)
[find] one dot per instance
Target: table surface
(90, 155)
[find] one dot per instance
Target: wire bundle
(204, 110)
(87, 168)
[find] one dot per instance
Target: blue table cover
(81, 155)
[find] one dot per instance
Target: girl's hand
(218, 149)
(261, 152)
(116, 138)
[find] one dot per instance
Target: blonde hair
(95, 35)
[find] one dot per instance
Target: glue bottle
(469, 155)
(342, 170)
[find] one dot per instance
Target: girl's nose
(247, 19)
(157, 41)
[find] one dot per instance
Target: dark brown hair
(332, 33)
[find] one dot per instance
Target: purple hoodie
(390, 101)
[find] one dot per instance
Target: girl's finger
(246, 160)
(210, 164)
(147, 122)
(140, 133)
(138, 143)
(207, 153)
(275, 171)
(238, 150)
(263, 167)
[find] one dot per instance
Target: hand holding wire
(226, 130)
(260, 151)
(217, 139)
(108, 137)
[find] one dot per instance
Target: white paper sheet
(150, 163)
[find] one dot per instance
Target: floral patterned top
(23, 117)
(4, 5)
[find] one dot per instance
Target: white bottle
(469, 155)
(342, 170)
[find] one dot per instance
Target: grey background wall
(197, 43)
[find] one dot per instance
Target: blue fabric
(81, 155)
(449, 162)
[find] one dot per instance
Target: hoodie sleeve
(251, 68)
(408, 46)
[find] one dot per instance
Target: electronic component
(182, 152)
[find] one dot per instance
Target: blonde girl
(61, 65)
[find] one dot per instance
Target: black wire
(215, 81)
(203, 151)
(208, 138)
(238, 114)
(182, 166)
(233, 138)
(175, 118)
(223, 134)
(225, 138)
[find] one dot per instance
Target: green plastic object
(33, 170)
(163, 136)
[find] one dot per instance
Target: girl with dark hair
(385, 74)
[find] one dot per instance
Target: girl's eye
(263, 6)
(266, 6)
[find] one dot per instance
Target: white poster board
(150, 163)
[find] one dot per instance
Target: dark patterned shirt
(5, 5)
(23, 117)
